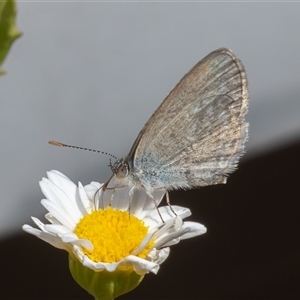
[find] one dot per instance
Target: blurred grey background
(91, 74)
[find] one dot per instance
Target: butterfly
(196, 136)
(198, 133)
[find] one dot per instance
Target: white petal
(57, 229)
(71, 238)
(92, 188)
(160, 255)
(86, 203)
(144, 242)
(95, 194)
(171, 234)
(118, 198)
(53, 174)
(64, 186)
(194, 230)
(148, 204)
(158, 196)
(167, 228)
(59, 214)
(180, 211)
(38, 223)
(45, 236)
(140, 266)
(153, 219)
(189, 230)
(172, 242)
(138, 204)
(61, 198)
(51, 219)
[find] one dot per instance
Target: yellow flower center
(115, 234)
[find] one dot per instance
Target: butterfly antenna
(58, 144)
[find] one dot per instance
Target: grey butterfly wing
(197, 134)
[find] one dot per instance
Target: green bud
(8, 29)
(104, 285)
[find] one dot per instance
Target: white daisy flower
(102, 231)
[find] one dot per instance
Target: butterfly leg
(131, 193)
(112, 196)
(96, 201)
(168, 202)
(153, 199)
(117, 188)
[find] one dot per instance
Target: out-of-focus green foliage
(8, 30)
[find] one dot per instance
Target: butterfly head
(120, 169)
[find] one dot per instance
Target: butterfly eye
(122, 171)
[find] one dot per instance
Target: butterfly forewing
(196, 136)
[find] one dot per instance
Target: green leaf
(8, 30)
